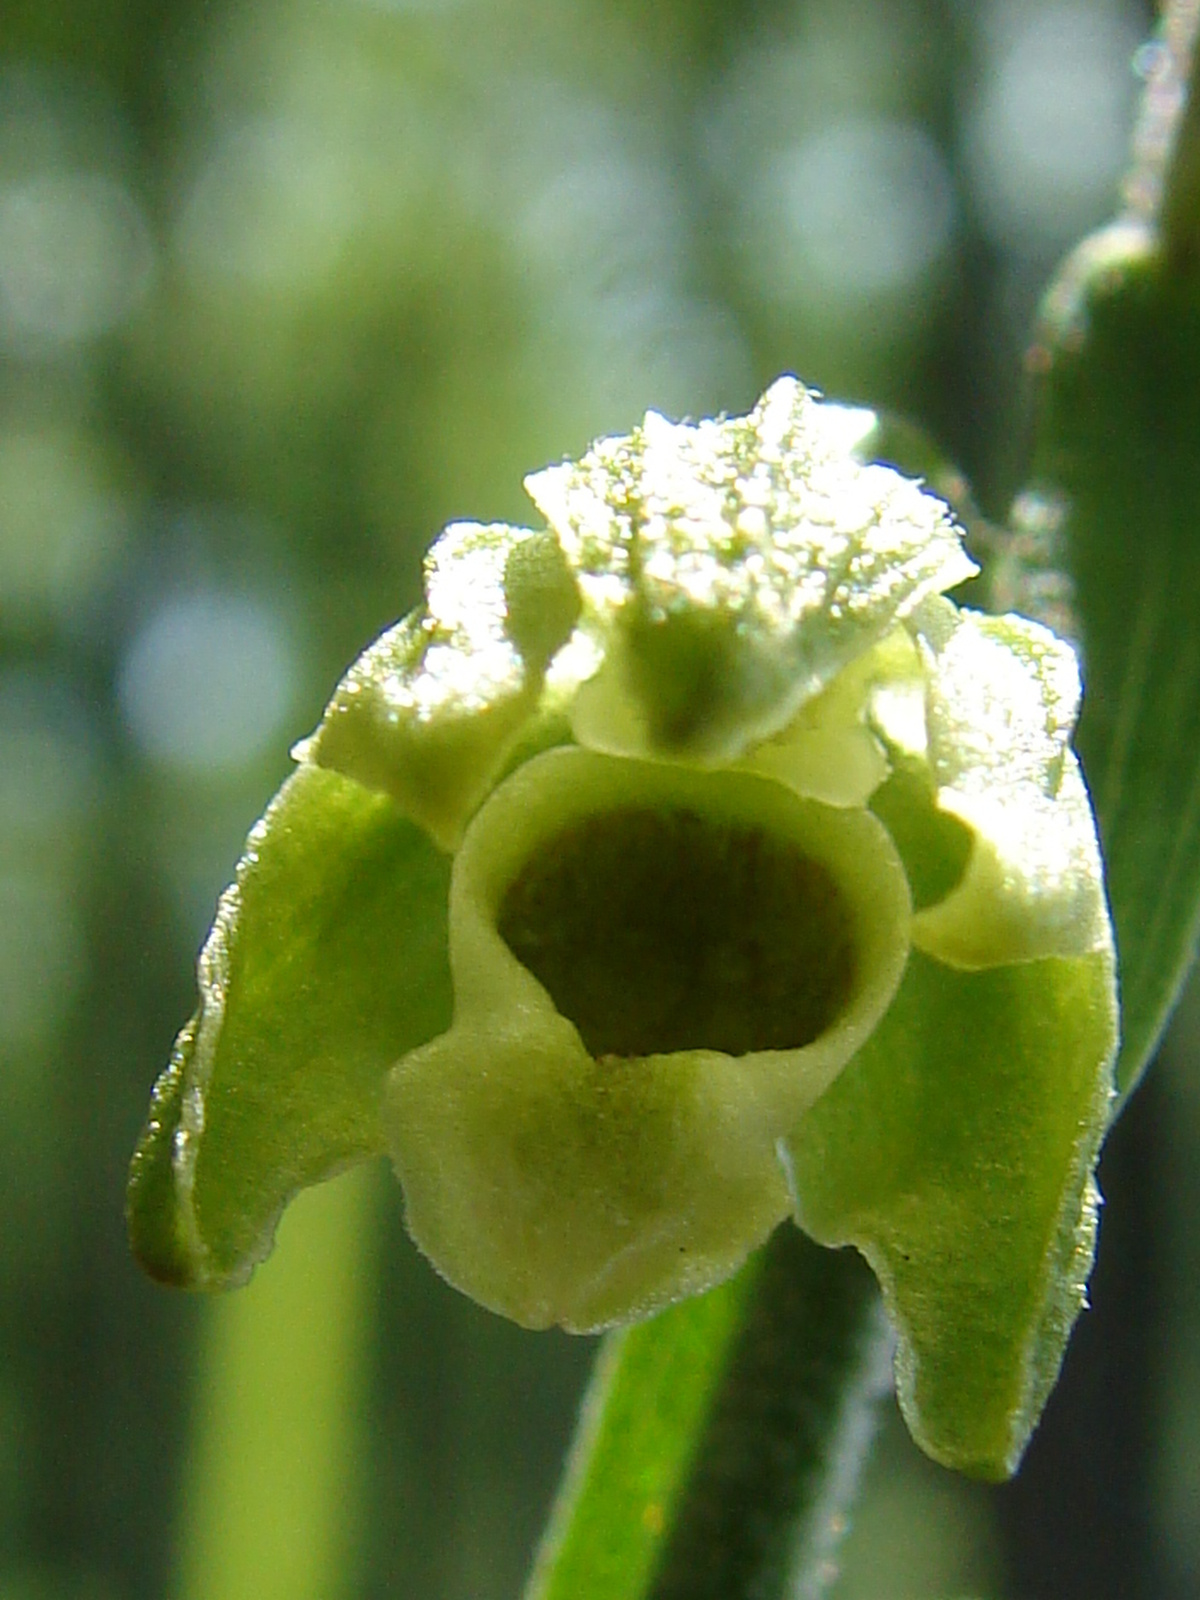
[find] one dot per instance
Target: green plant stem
(780, 1456)
(720, 1443)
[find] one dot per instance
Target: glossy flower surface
(687, 864)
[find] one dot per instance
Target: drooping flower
(689, 863)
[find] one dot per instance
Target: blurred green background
(285, 285)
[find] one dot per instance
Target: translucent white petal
(733, 567)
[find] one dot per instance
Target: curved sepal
(956, 1151)
(326, 962)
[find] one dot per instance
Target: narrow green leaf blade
(327, 961)
(1117, 480)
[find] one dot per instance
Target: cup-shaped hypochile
(656, 971)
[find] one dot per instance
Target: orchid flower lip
(581, 879)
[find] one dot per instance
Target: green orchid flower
(689, 864)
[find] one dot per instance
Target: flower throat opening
(662, 930)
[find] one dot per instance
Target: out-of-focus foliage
(284, 287)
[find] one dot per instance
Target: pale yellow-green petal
(429, 711)
(1002, 698)
(834, 748)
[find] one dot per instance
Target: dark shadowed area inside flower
(717, 935)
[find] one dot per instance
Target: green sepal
(1115, 484)
(327, 961)
(956, 1151)
(157, 1230)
